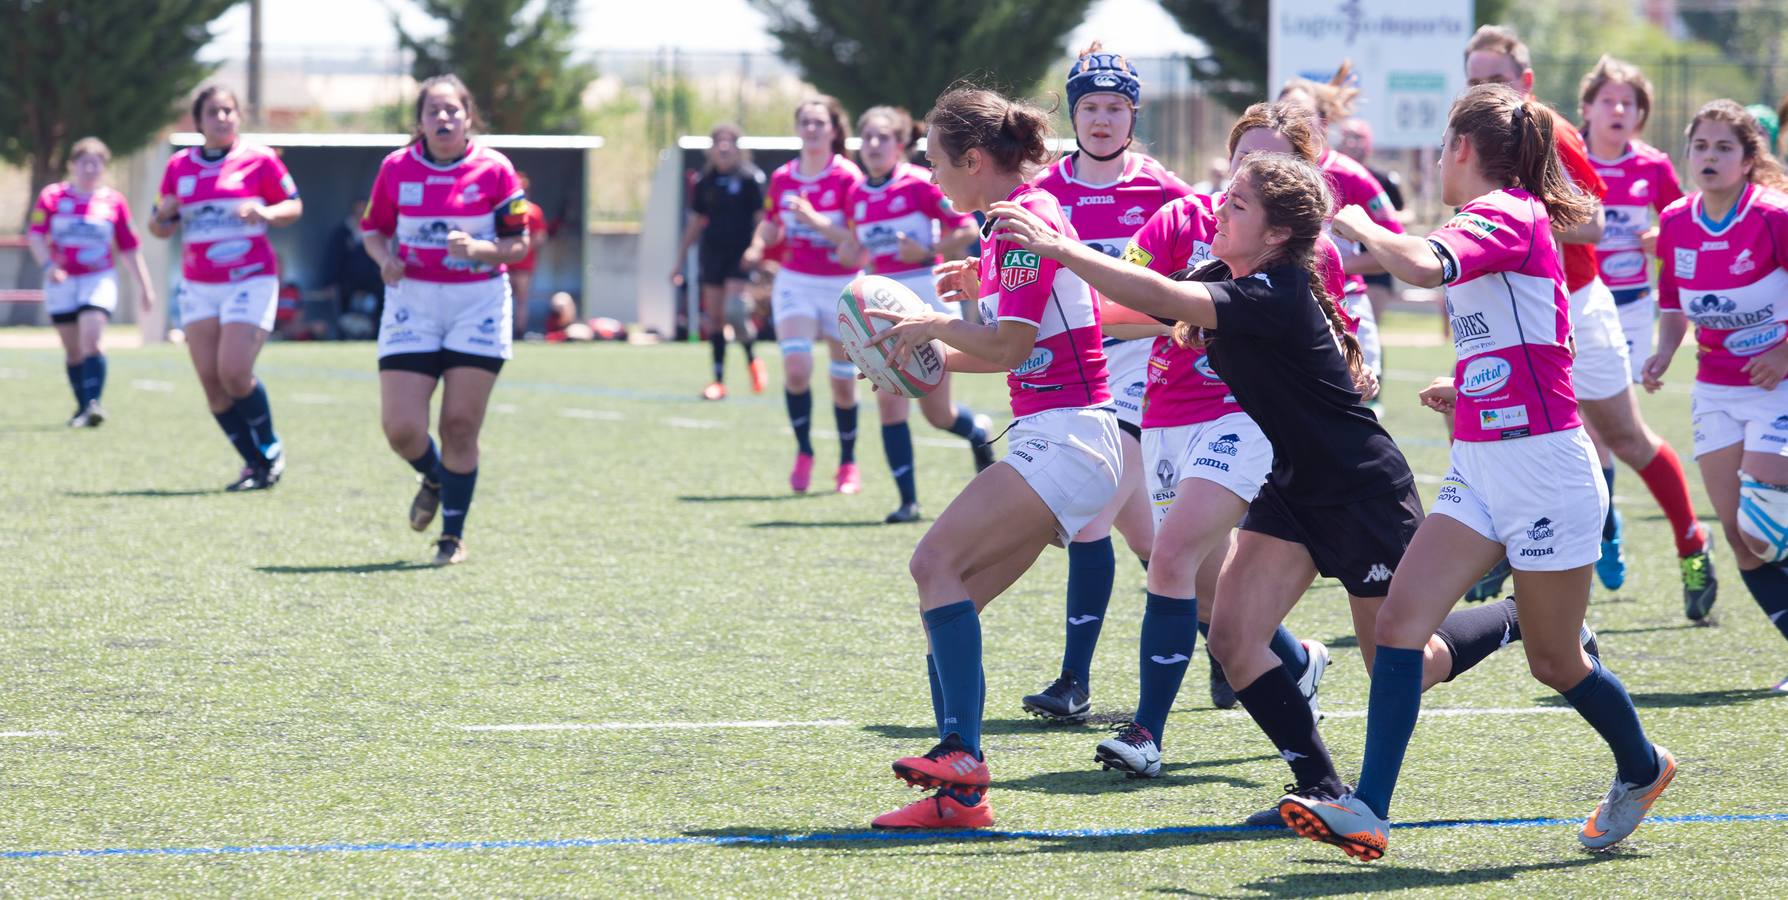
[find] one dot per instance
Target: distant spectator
(359, 291)
(1356, 142)
(521, 274)
(1214, 177)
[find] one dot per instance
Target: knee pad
(842, 371)
(795, 346)
(1763, 516)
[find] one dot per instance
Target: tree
(517, 65)
(72, 68)
(906, 52)
(1235, 31)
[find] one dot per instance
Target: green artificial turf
(190, 669)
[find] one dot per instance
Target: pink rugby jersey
(1066, 368)
(805, 250)
(1511, 319)
(1182, 388)
(81, 230)
(1730, 282)
(1107, 215)
(421, 202)
(907, 203)
(1640, 181)
(1354, 186)
(217, 246)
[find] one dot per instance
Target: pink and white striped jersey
(1066, 368)
(1182, 388)
(907, 203)
(1354, 186)
(1106, 215)
(803, 249)
(217, 246)
(1640, 181)
(421, 202)
(1511, 319)
(1730, 281)
(81, 230)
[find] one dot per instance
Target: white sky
(1133, 27)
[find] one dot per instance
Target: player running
(1523, 481)
(1725, 253)
(446, 214)
(1109, 190)
(223, 196)
(1616, 102)
(1205, 461)
(73, 228)
(727, 203)
(806, 228)
(903, 224)
(1061, 467)
(1600, 372)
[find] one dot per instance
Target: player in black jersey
(725, 207)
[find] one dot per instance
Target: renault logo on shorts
(1164, 472)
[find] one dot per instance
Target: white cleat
(1311, 681)
(1131, 751)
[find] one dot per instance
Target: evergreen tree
(117, 71)
(518, 66)
(906, 52)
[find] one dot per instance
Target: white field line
(703, 424)
(150, 384)
(28, 734)
(313, 399)
(12, 373)
(1450, 712)
(504, 408)
(599, 415)
(652, 726)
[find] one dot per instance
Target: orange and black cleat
(949, 764)
(940, 810)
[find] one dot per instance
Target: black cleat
(1699, 587)
(1222, 695)
(425, 504)
(908, 512)
(1587, 638)
(1064, 701)
(1490, 586)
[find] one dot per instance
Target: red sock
(1663, 475)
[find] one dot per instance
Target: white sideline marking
(1450, 712)
(600, 415)
(313, 399)
(679, 422)
(12, 373)
(502, 407)
(28, 734)
(651, 726)
(150, 384)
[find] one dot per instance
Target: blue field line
(822, 837)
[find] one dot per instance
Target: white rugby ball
(924, 367)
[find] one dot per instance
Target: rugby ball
(924, 368)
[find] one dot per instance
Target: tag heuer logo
(1017, 269)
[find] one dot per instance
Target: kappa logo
(1541, 530)
(1378, 572)
(1225, 444)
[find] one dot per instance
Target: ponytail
(1515, 146)
(1013, 134)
